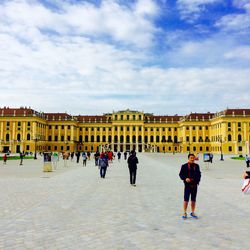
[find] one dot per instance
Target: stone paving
(73, 208)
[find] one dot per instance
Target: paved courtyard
(73, 208)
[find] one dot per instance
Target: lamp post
(36, 139)
(221, 154)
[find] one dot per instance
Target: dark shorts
(190, 190)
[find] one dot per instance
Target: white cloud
(127, 25)
(242, 52)
(191, 9)
(236, 22)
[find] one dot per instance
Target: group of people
(103, 159)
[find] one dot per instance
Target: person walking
(125, 155)
(132, 165)
(119, 155)
(191, 175)
(247, 158)
(77, 157)
(84, 159)
(21, 158)
(5, 159)
(96, 156)
(103, 163)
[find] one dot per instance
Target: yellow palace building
(24, 129)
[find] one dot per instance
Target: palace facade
(24, 129)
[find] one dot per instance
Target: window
(134, 138)
(152, 129)
(56, 138)
(62, 138)
(86, 129)
(115, 128)
(127, 117)
(239, 138)
(139, 117)
(92, 138)
(68, 126)
(103, 129)
(104, 138)
(145, 139)
(27, 147)
(187, 128)
(127, 138)
(115, 117)
(28, 124)
(28, 137)
(133, 117)
(230, 148)
(239, 124)
(194, 148)
(80, 138)
(86, 138)
(121, 138)
(92, 129)
(133, 128)
(110, 139)
(187, 138)
(151, 138)
(157, 138)
(18, 137)
(201, 149)
(127, 128)
(121, 128)
(49, 148)
(169, 129)
(50, 138)
(121, 117)
(240, 148)
(194, 127)
(68, 137)
(56, 127)
(206, 127)
(229, 137)
(19, 124)
(194, 139)
(63, 127)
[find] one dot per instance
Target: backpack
(103, 162)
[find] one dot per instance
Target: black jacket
(193, 172)
(132, 161)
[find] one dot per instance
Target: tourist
(5, 159)
(247, 158)
(191, 175)
(132, 165)
(84, 159)
(103, 164)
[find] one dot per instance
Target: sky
(88, 57)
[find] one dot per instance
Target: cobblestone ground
(73, 208)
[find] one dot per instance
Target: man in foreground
(191, 175)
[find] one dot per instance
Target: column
(118, 141)
(130, 137)
(136, 136)
(142, 131)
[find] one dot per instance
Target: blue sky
(93, 57)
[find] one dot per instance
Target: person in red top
(191, 175)
(4, 158)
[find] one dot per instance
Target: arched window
(86, 138)
(104, 138)
(229, 137)
(175, 139)
(80, 138)
(98, 138)
(127, 138)
(115, 138)
(139, 138)
(121, 138)
(28, 137)
(92, 138)
(239, 137)
(163, 138)
(18, 137)
(110, 138)
(169, 138)
(145, 139)
(157, 138)
(134, 138)
(151, 138)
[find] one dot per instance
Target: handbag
(246, 186)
